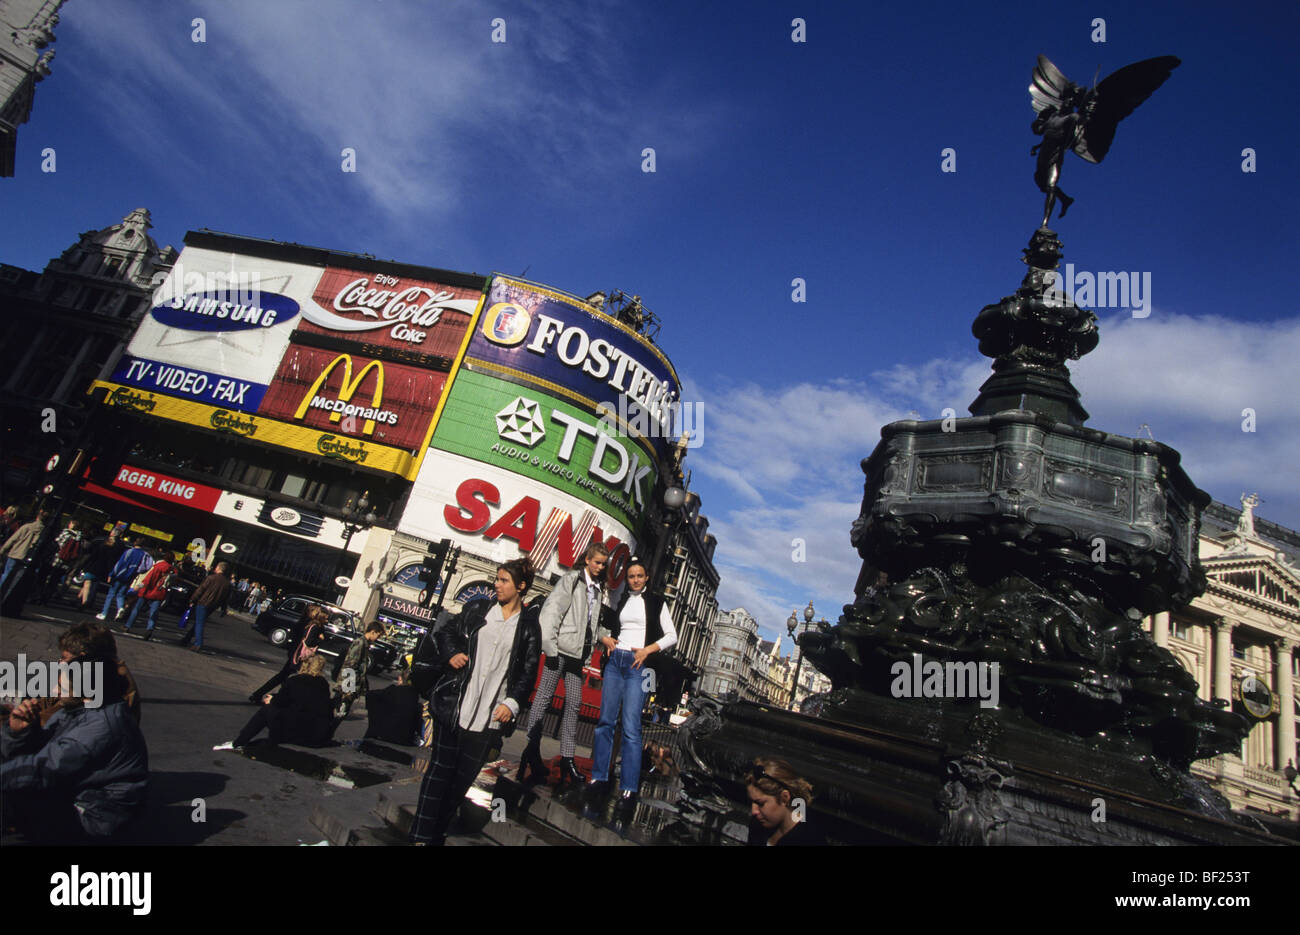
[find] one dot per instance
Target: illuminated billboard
(415, 315)
(537, 336)
(355, 395)
(548, 440)
(493, 512)
(218, 327)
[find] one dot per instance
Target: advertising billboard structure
(552, 435)
(329, 359)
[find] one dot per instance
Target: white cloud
(430, 104)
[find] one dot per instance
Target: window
(112, 265)
(293, 485)
(1182, 631)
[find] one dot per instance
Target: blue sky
(774, 160)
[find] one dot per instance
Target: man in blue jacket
(83, 774)
(133, 562)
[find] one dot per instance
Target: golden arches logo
(348, 388)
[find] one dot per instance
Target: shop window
(255, 476)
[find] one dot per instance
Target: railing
(1265, 777)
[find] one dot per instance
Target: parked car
(341, 628)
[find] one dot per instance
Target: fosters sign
(548, 339)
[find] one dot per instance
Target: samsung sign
(226, 310)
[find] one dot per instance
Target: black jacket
(460, 635)
(302, 712)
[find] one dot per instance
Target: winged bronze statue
(1084, 119)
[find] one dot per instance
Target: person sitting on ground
(779, 799)
(394, 712)
(300, 713)
(83, 774)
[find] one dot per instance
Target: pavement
(353, 792)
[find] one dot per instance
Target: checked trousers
(572, 704)
(456, 759)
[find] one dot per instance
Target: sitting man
(394, 712)
(83, 774)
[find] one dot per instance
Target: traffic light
(431, 570)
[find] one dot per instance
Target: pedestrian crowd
(469, 678)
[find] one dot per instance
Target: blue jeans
(10, 565)
(153, 613)
(623, 687)
(200, 615)
(116, 591)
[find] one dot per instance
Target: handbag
(185, 618)
(304, 651)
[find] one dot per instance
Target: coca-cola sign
(410, 310)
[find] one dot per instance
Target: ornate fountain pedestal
(1013, 555)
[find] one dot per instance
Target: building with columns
(1238, 640)
(64, 328)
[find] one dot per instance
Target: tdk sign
(215, 311)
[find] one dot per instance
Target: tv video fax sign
(527, 332)
(219, 324)
(549, 441)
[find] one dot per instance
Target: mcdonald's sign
(353, 395)
(342, 405)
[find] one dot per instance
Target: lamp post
(791, 624)
(673, 499)
(355, 519)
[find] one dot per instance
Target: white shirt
(487, 677)
(633, 624)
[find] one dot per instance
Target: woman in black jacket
(486, 661)
(302, 712)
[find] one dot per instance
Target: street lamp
(791, 624)
(354, 520)
(673, 499)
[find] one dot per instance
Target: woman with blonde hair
(301, 713)
(778, 805)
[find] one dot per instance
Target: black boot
(532, 762)
(569, 772)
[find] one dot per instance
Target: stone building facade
(26, 29)
(1238, 640)
(62, 329)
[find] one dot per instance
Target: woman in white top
(487, 659)
(644, 627)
